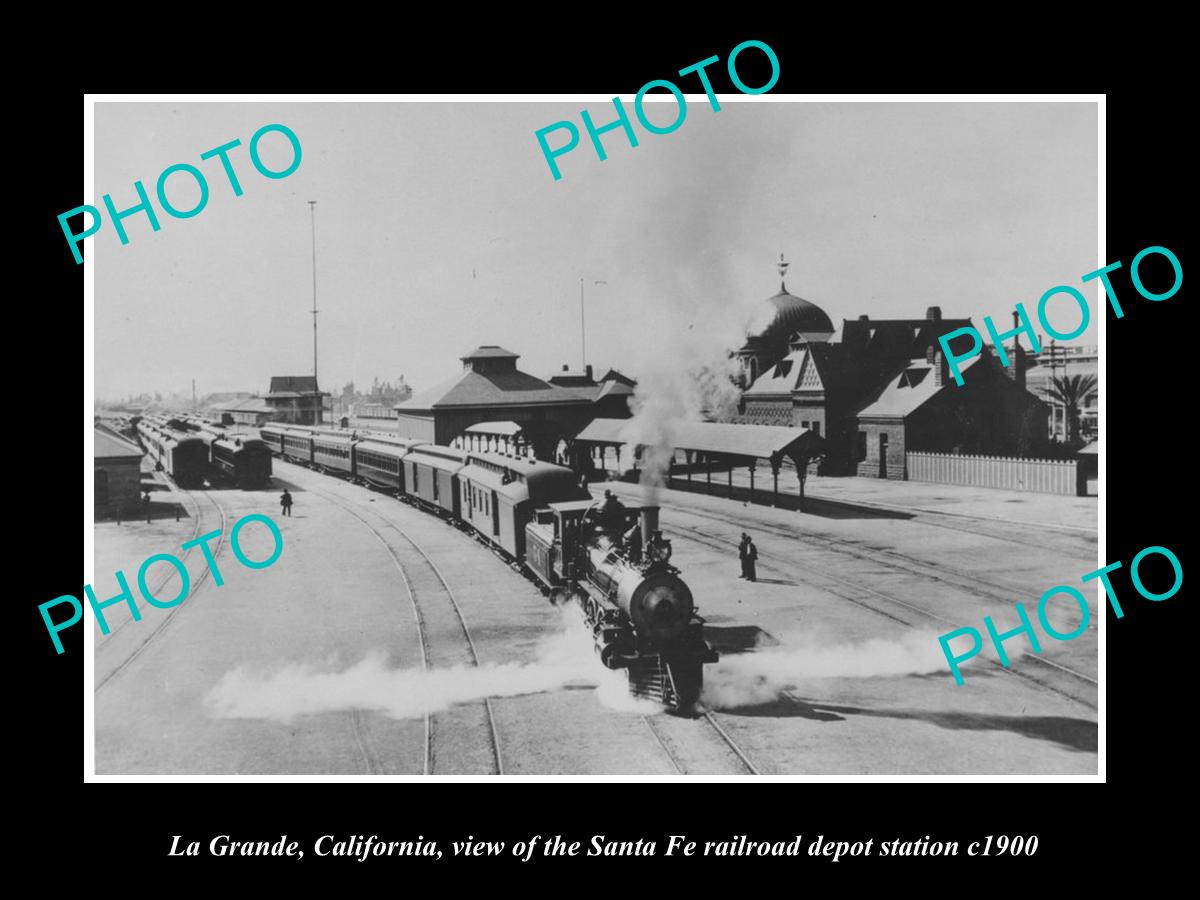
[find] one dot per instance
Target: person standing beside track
(748, 553)
(285, 502)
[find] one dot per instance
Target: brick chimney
(588, 369)
(934, 314)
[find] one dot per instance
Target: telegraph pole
(312, 206)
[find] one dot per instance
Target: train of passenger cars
(612, 562)
(193, 450)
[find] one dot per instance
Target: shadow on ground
(1079, 735)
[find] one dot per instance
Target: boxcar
(500, 493)
(297, 443)
(272, 435)
(431, 476)
(332, 451)
(378, 460)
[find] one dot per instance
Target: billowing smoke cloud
(667, 397)
(749, 679)
(300, 689)
(691, 378)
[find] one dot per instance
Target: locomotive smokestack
(649, 524)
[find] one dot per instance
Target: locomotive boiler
(615, 564)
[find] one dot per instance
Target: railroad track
(869, 598)
(453, 724)
(166, 577)
(165, 620)
(1082, 539)
(718, 751)
(660, 727)
(991, 590)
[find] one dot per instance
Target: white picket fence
(1044, 476)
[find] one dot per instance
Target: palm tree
(1072, 392)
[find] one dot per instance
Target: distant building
(876, 388)
(371, 411)
(491, 389)
(1064, 362)
(296, 399)
(118, 473)
(610, 395)
(253, 411)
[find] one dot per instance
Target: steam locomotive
(642, 614)
(613, 562)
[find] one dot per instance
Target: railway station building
(493, 393)
(875, 389)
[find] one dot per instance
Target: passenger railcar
(378, 461)
(271, 434)
(182, 456)
(332, 451)
(431, 477)
(245, 461)
(298, 444)
(499, 493)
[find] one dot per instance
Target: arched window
(753, 370)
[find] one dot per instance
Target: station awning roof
(757, 441)
(504, 429)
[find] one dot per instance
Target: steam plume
(299, 689)
(749, 679)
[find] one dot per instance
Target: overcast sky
(440, 228)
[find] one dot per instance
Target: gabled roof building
(490, 388)
(876, 388)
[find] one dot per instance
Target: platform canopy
(500, 429)
(726, 439)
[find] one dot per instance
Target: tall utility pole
(583, 328)
(312, 206)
